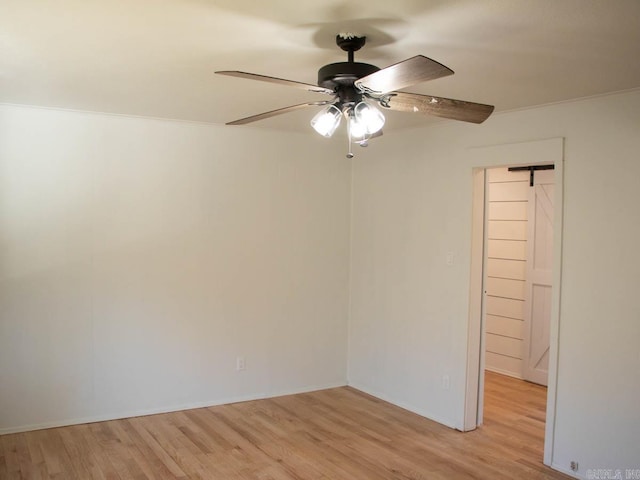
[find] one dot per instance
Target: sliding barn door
(537, 315)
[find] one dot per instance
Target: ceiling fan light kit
(372, 118)
(327, 120)
(356, 86)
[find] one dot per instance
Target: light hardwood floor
(332, 434)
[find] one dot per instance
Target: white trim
(475, 342)
(569, 100)
(436, 121)
(179, 121)
(567, 471)
(524, 153)
(397, 403)
(554, 333)
(174, 408)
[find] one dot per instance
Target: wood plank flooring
(332, 434)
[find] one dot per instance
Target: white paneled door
(537, 315)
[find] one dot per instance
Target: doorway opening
(515, 279)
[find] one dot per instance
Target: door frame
(480, 158)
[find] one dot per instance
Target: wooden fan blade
(403, 74)
(441, 107)
(278, 81)
(273, 113)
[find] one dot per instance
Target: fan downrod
(350, 43)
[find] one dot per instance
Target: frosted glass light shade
(370, 117)
(357, 129)
(326, 121)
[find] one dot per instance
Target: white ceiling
(157, 57)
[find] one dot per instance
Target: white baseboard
(566, 471)
(411, 408)
(173, 408)
(503, 372)
(247, 398)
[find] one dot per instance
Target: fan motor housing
(343, 73)
(341, 76)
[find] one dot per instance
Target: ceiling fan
(355, 87)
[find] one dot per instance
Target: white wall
(409, 309)
(506, 218)
(140, 257)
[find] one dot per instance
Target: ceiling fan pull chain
(349, 153)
